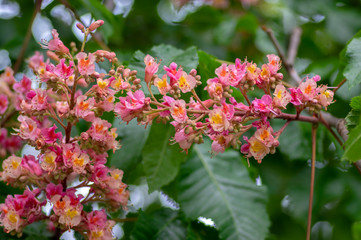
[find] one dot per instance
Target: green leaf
(133, 138)
(188, 59)
(352, 145)
(221, 189)
(37, 230)
(161, 160)
(356, 231)
(162, 224)
(353, 118)
(350, 62)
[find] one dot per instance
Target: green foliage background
(171, 190)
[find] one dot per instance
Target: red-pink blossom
(23, 86)
(4, 102)
(56, 44)
(86, 64)
(263, 105)
(151, 67)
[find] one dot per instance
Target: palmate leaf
(160, 159)
(161, 224)
(221, 189)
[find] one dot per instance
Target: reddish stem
(313, 161)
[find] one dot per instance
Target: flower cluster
(223, 118)
(66, 162)
(11, 95)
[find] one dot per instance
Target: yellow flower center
(97, 234)
(72, 213)
(102, 84)
(13, 217)
(217, 119)
(256, 146)
(15, 164)
(79, 161)
(183, 82)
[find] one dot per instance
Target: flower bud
(95, 25)
(80, 27)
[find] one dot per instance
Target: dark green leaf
(160, 159)
(221, 189)
(353, 118)
(133, 138)
(162, 224)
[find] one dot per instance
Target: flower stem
(313, 161)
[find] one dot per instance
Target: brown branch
(339, 85)
(289, 67)
(27, 38)
(313, 161)
(293, 47)
(301, 118)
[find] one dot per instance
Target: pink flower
(84, 107)
(63, 71)
(214, 88)
(274, 63)
(325, 96)
(28, 128)
(79, 162)
(12, 168)
(178, 111)
(222, 73)
(49, 134)
(8, 76)
(56, 44)
(184, 139)
(48, 161)
(218, 120)
(220, 142)
(186, 82)
(108, 55)
(151, 67)
(23, 86)
(99, 129)
(263, 105)
(162, 85)
(62, 108)
(31, 165)
(134, 101)
(308, 89)
(3, 103)
(36, 61)
(296, 96)
(281, 96)
(173, 73)
(252, 72)
(39, 102)
(86, 64)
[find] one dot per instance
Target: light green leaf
(352, 145)
(161, 160)
(354, 116)
(221, 189)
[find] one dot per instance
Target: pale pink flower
(79, 162)
(48, 161)
(162, 85)
(325, 96)
(218, 120)
(281, 96)
(214, 88)
(12, 168)
(39, 102)
(63, 71)
(308, 89)
(186, 82)
(274, 63)
(28, 128)
(84, 107)
(178, 111)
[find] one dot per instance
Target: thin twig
(27, 38)
(313, 161)
(293, 47)
(339, 85)
(198, 99)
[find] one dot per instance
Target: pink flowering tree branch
(75, 92)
